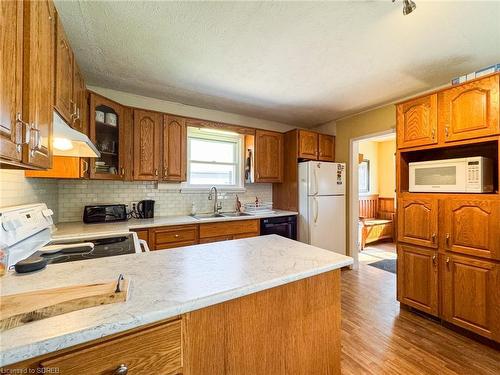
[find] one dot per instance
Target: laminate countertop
(163, 284)
(78, 228)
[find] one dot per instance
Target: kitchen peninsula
(259, 305)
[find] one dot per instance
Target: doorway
(372, 227)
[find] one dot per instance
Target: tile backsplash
(68, 197)
(15, 190)
(74, 195)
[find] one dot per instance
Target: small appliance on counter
(104, 213)
(146, 209)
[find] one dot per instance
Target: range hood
(67, 141)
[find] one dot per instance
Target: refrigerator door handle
(316, 209)
(316, 181)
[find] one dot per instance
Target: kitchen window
(214, 159)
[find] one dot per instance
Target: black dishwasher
(285, 226)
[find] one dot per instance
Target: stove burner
(103, 247)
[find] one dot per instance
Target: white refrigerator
(322, 205)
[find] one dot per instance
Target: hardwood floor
(379, 338)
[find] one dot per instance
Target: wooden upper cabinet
(416, 122)
(38, 78)
(109, 134)
(147, 142)
(63, 99)
(79, 121)
(472, 227)
(308, 145)
(471, 296)
(418, 221)
(418, 278)
(326, 147)
(470, 110)
(11, 60)
(174, 148)
(268, 156)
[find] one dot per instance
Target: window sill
(206, 189)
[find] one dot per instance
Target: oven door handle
(144, 246)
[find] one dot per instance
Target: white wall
(188, 111)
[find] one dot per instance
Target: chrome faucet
(215, 197)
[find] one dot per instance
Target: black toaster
(104, 213)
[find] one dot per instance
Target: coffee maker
(146, 209)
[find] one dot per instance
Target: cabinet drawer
(152, 350)
(167, 237)
(229, 228)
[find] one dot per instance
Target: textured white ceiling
(301, 63)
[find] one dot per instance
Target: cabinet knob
(434, 259)
(447, 131)
(121, 370)
(176, 236)
(156, 172)
(433, 237)
(165, 172)
(447, 239)
(448, 263)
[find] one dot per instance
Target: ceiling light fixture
(408, 7)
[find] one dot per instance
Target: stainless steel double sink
(222, 214)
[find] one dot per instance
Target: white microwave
(465, 175)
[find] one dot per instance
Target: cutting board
(22, 308)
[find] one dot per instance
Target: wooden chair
(376, 217)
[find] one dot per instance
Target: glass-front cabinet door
(107, 131)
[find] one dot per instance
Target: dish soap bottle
(193, 209)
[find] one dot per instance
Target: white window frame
(221, 136)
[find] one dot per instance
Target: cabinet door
(416, 122)
(418, 221)
(471, 296)
(472, 227)
(38, 78)
(107, 131)
(156, 349)
(11, 65)
(147, 126)
(418, 278)
(308, 145)
(63, 100)
(268, 156)
(80, 100)
(174, 148)
(326, 147)
(470, 110)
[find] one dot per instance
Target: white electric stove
(25, 235)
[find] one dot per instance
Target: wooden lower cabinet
(229, 230)
(418, 278)
(418, 220)
(158, 348)
(172, 236)
(290, 329)
(472, 226)
(471, 294)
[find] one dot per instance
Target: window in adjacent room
(364, 176)
(214, 158)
